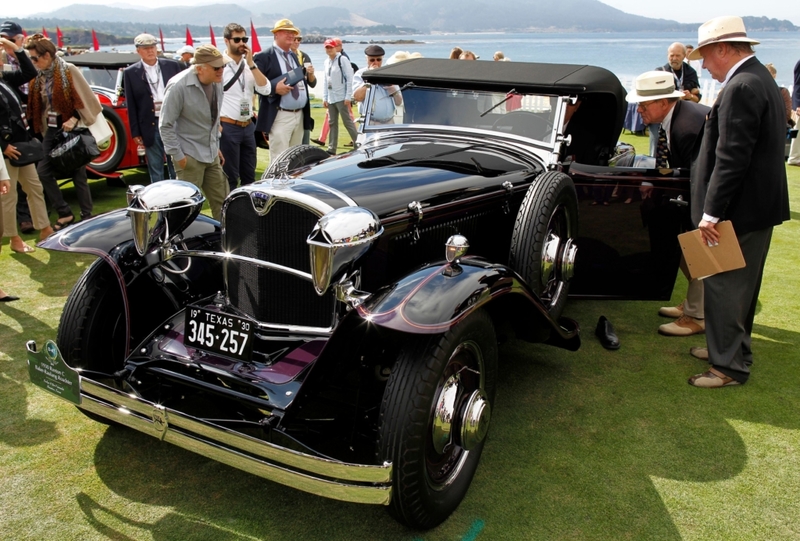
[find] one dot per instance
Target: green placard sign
(48, 370)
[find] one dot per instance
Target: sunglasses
(237, 40)
(298, 39)
(217, 69)
(35, 58)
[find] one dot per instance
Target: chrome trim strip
(228, 257)
(356, 483)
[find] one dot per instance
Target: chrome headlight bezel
(339, 239)
(161, 211)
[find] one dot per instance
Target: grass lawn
(592, 444)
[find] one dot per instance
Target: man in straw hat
(680, 122)
(285, 112)
(189, 125)
(739, 176)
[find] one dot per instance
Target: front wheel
(111, 156)
(434, 418)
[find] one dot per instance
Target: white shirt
(239, 95)
(155, 81)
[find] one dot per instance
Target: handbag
(101, 132)
(30, 152)
(71, 151)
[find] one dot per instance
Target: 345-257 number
(205, 334)
(217, 332)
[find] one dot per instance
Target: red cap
(330, 42)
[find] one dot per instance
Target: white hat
(719, 30)
(185, 49)
(653, 85)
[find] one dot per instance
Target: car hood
(386, 175)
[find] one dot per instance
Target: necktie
(295, 90)
(662, 150)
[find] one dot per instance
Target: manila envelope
(703, 260)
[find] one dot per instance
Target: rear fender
(436, 297)
(151, 291)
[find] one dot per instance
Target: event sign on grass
(48, 370)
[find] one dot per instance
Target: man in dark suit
(680, 121)
(794, 152)
(144, 93)
(739, 175)
(286, 111)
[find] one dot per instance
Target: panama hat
(653, 85)
(285, 24)
(720, 30)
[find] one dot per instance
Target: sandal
(26, 249)
(63, 222)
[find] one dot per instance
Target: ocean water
(625, 54)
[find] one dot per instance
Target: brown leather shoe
(713, 379)
(671, 311)
(683, 326)
(699, 353)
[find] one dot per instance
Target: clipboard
(703, 261)
(295, 76)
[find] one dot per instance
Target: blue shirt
(337, 79)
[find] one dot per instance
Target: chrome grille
(279, 236)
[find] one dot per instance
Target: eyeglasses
(371, 60)
(298, 39)
(645, 104)
(217, 69)
(237, 40)
(35, 58)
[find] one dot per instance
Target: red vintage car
(103, 71)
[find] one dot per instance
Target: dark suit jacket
(274, 70)
(686, 124)
(139, 99)
(739, 174)
(796, 88)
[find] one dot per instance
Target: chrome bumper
(329, 478)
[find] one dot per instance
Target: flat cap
(145, 40)
(374, 50)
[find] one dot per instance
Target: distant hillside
(422, 15)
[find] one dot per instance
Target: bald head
(675, 55)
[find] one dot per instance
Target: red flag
(95, 43)
(59, 37)
(189, 40)
(44, 32)
(161, 35)
(254, 38)
(211, 32)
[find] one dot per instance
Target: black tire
(91, 333)
(294, 158)
(110, 158)
(550, 208)
(428, 485)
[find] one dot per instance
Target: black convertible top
(604, 106)
(103, 60)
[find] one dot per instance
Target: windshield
(524, 115)
(105, 77)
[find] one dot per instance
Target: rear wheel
(434, 419)
(91, 333)
(111, 156)
(542, 248)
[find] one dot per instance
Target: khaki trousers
(209, 178)
(28, 178)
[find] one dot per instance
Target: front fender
(436, 297)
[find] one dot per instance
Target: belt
(290, 110)
(240, 123)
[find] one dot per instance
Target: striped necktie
(662, 150)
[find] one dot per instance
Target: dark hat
(10, 29)
(374, 50)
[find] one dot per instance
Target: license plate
(223, 334)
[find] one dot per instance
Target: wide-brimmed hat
(285, 24)
(145, 40)
(208, 54)
(653, 85)
(720, 30)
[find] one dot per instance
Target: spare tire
(542, 248)
(110, 157)
(294, 158)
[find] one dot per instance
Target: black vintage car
(337, 332)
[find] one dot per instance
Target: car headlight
(338, 240)
(161, 211)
